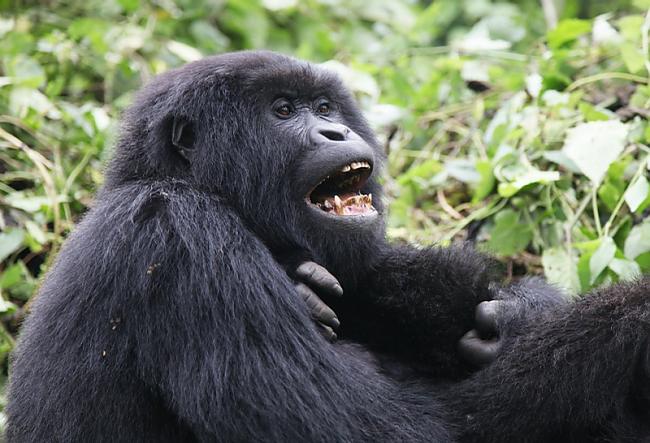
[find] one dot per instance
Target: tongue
(352, 204)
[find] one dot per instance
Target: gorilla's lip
(338, 194)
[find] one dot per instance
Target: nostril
(332, 135)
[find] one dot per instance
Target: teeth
(354, 166)
(358, 165)
(338, 205)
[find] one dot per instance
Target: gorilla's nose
(332, 132)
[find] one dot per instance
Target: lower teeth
(362, 202)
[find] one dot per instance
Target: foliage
(532, 142)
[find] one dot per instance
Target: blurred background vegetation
(522, 126)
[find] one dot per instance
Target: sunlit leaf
(601, 258)
(183, 51)
(638, 241)
(26, 71)
(594, 146)
(528, 178)
(625, 269)
(566, 31)
(637, 193)
(560, 268)
(10, 241)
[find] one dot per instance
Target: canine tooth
(338, 205)
(345, 168)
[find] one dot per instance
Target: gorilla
(242, 202)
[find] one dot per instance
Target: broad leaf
(637, 193)
(560, 268)
(601, 258)
(10, 242)
(594, 146)
(638, 241)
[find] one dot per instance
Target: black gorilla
(170, 314)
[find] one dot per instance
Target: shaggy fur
(169, 316)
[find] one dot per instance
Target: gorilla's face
(316, 159)
(333, 165)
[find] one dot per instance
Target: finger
(486, 317)
(477, 351)
(317, 276)
(327, 332)
(317, 308)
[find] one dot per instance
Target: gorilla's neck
(348, 255)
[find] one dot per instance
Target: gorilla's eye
(323, 108)
(283, 109)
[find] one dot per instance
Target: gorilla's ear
(183, 137)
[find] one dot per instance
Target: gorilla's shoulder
(156, 210)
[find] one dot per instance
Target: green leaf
(638, 241)
(463, 170)
(592, 114)
(36, 232)
(630, 27)
(637, 193)
(278, 5)
(561, 159)
(486, 183)
(21, 99)
(601, 258)
(567, 31)
(28, 204)
(594, 146)
(129, 5)
(12, 275)
(530, 177)
(632, 57)
(560, 268)
(419, 174)
(26, 72)
(183, 51)
(625, 269)
(509, 236)
(7, 307)
(609, 194)
(10, 242)
(644, 262)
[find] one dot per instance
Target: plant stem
(620, 201)
(594, 204)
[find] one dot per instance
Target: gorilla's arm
(580, 369)
(223, 337)
(418, 303)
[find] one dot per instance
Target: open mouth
(340, 192)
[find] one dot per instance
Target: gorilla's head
(280, 140)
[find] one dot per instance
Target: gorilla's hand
(481, 345)
(314, 279)
(502, 319)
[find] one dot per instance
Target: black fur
(168, 315)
